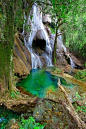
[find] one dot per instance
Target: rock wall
(21, 58)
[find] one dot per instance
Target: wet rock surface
(21, 58)
(53, 114)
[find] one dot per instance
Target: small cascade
(35, 61)
(59, 37)
(62, 48)
(47, 59)
(72, 63)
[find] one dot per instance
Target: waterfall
(72, 63)
(34, 19)
(35, 61)
(36, 24)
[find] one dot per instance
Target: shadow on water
(40, 81)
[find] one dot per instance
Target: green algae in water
(6, 115)
(40, 81)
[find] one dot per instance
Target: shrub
(30, 124)
(81, 75)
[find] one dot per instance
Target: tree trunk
(6, 46)
(55, 47)
(7, 42)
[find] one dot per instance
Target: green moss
(81, 75)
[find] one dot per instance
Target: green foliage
(66, 127)
(30, 124)
(81, 75)
(57, 70)
(18, 17)
(85, 64)
(81, 108)
(75, 32)
(78, 108)
(52, 30)
(23, 43)
(13, 94)
(78, 96)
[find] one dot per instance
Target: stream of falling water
(72, 63)
(36, 24)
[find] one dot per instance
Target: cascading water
(36, 24)
(35, 61)
(72, 63)
(65, 50)
(60, 49)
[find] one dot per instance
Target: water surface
(39, 82)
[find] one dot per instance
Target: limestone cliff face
(21, 58)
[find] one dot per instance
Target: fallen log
(71, 110)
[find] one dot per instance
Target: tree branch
(60, 34)
(58, 24)
(68, 105)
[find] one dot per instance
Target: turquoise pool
(40, 81)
